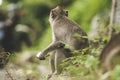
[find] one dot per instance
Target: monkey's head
(57, 12)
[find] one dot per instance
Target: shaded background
(34, 14)
(27, 30)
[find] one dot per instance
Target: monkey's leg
(59, 56)
(52, 61)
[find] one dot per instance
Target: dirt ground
(26, 67)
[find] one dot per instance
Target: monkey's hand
(59, 44)
(39, 55)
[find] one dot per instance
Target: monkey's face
(58, 11)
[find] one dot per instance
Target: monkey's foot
(49, 76)
(56, 73)
(39, 56)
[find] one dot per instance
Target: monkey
(67, 35)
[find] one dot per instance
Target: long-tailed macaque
(65, 32)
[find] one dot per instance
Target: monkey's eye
(52, 11)
(66, 13)
(53, 14)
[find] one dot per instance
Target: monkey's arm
(51, 47)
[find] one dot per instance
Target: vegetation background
(87, 13)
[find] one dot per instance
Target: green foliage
(37, 13)
(83, 64)
(46, 39)
(111, 75)
(115, 74)
(4, 58)
(116, 28)
(82, 11)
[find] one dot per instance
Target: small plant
(4, 58)
(84, 63)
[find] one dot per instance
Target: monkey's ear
(60, 10)
(63, 12)
(66, 13)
